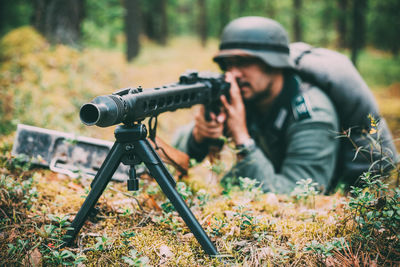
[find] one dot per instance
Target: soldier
(284, 129)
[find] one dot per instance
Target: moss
(20, 42)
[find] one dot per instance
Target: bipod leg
(144, 151)
(98, 186)
(131, 140)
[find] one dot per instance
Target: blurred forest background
(159, 34)
(353, 24)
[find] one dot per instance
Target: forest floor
(45, 85)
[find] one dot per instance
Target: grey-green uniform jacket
(296, 140)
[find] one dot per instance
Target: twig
(128, 195)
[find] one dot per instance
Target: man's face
(254, 77)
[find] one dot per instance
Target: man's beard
(258, 97)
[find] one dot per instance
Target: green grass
(380, 70)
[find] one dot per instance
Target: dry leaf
(75, 186)
(34, 258)
(151, 203)
(187, 237)
(165, 252)
(271, 199)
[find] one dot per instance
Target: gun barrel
(132, 105)
(89, 114)
(103, 111)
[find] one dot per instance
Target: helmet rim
(273, 59)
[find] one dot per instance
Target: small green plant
(126, 235)
(19, 162)
(18, 191)
(246, 220)
(135, 259)
(217, 226)
(186, 194)
(17, 249)
(376, 209)
(51, 243)
(327, 249)
(54, 233)
(248, 184)
(171, 221)
(167, 207)
(306, 190)
(30, 192)
(228, 185)
(103, 243)
(202, 196)
(49, 232)
(152, 189)
(64, 257)
(217, 167)
(252, 187)
(184, 190)
(127, 212)
(62, 221)
(71, 141)
(193, 162)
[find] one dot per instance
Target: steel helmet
(258, 37)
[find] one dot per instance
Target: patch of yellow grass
(49, 84)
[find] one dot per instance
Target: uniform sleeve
(185, 142)
(311, 152)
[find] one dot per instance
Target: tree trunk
(359, 28)
(271, 9)
(132, 28)
(202, 21)
(326, 22)
(297, 27)
(395, 50)
(155, 20)
(224, 14)
(242, 5)
(59, 20)
(3, 9)
(148, 26)
(341, 23)
(163, 34)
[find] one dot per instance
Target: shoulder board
(300, 107)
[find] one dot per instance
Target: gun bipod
(131, 147)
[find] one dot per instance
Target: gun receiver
(135, 104)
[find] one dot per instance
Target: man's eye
(246, 63)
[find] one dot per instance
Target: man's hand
(208, 129)
(235, 112)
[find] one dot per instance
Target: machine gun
(130, 107)
(135, 104)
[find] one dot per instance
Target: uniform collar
(281, 105)
(283, 100)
